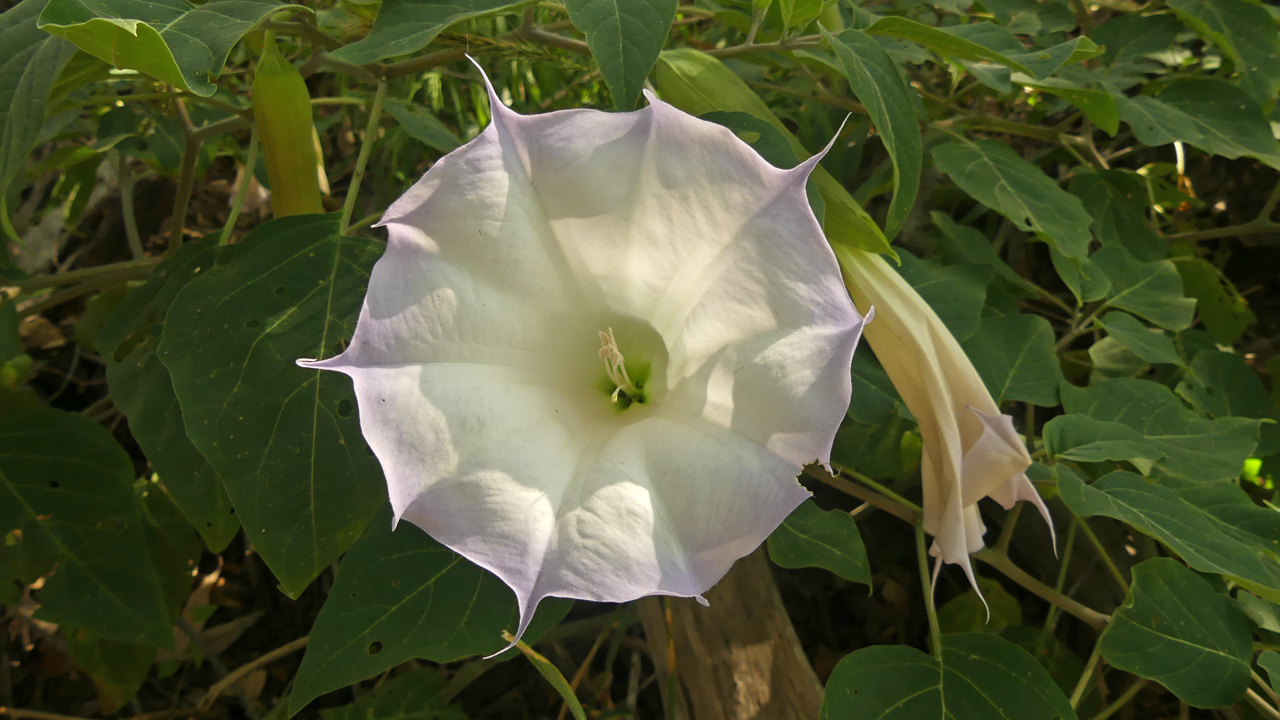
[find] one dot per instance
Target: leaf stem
(926, 587)
(1123, 699)
(1266, 686)
(129, 270)
(1263, 706)
(366, 146)
(234, 676)
(1102, 553)
(1000, 562)
(251, 157)
(1083, 683)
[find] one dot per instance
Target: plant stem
(304, 30)
(1083, 684)
(1123, 700)
(807, 41)
(1253, 227)
(366, 146)
(1102, 553)
(234, 676)
(874, 499)
(1263, 706)
(250, 159)
(127, 209)
(128, 270)
(194, 137)
(882, 490)
(926, 587)
(1000, 562)
(1266, 686)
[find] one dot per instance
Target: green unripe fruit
(282, 111)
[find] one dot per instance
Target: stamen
(615, 367)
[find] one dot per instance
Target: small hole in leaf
(208, 524)
(280, 290)
(233, 511)
(395, 583)
(54, 484)
(253, 323)
(344, 408)
(375, 647)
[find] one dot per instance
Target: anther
(615, 367)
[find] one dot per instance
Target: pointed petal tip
(702, 601)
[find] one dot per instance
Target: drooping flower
(598, 350)
(971, 450)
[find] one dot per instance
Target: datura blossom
(971, 450)
(598, 350)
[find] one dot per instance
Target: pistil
(616, 368)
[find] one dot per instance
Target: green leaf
(1190, 524)
(411, 695)
(15, 364)
(174, 41)
(1195, 449)
(407, 26)
(885, 450)
(1175, 629)
(698, 84)
(1130, 37)
(828, 539)
(874, 78)
(958, 244)
(1098, 106)
(941, 42)
(117, 668)
(1269, 660)
(400, 595)
(1083, 277)
(1244, 32)
(421, 125)
(955, 292)
(874, 396)
(996, 176)
(1222, 310)
(66, 499)
(1117, 202)
(1083, 439)
(1111, 360)
(981, 676)
(1150, 290)
(798, 13)
(1039, 63)
(286, 441)
(1016, 358)
(1221, 385)
(143, 390)
(1031, 17)
(31, 65)
(625, 37)
(1213, 115)
(1150, 345)
(552, 674)
(968, 612)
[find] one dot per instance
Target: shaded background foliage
(1085, 192)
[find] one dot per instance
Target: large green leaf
(981, 676)
(67, 500)
(625, 37)
(874, 397)
(1221, 384)
(1039, 63)
(1152, 346)
(407, 26)
(1129, 37)
(941, 42)
(955, 292)
(1211, 114)
(991, 612)
(1244, 32)
(421, 125)
(1117, 202)
(1195, 449)
(1084, 439)
(1175, 629)
(958, 244)
(412, 695)
(996, 176)
(285, 440)
(1151, 290)
(1213, 531)
(1016, 358)
(698, 83)
(174, 41)
(117, 668)
(829, 539)
(1222, 310)
(400, 595)
(874, 78)
(1031, 17)
(30, 66)
(143, 391)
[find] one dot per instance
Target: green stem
(126, 207)
(129, 270)
(250, 160)
(1083, 684)
(1000, 562)
(1103, 555)
(1262, 706)
(366, 146)
(882, 489)
(1123, 700)
(926, 586)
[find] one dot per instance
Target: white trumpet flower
(646, 466)
(971, 450)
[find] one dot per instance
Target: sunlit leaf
(828, 539)
(407, 26)
(625, 37)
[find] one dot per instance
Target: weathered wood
(739, 659)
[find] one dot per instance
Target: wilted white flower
(598, 350)
(971, 450)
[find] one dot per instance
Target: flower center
(615, 367)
